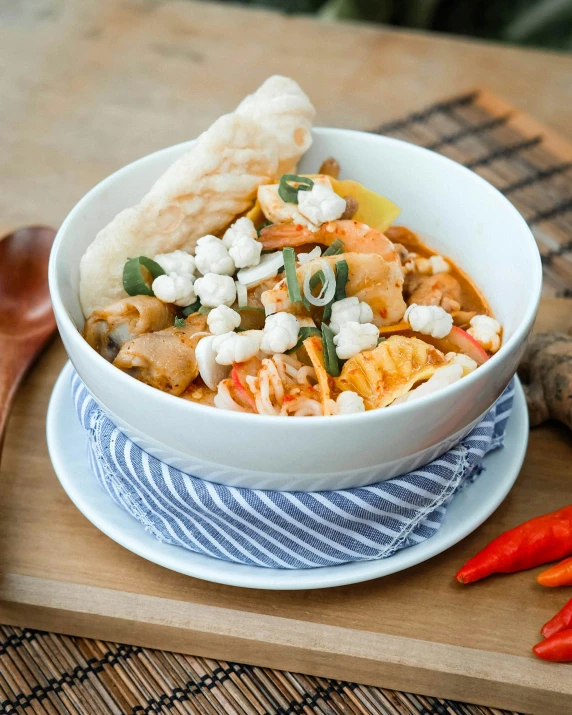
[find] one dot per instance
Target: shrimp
(441, 289)
(357, 237)
(372, 279)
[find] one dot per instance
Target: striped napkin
(287, 530)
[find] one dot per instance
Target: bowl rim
(197, 409)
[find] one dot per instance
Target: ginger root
(546, 371)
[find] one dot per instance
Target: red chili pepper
(538, 541)
(559, 575)
(562, 621)
(557, 648)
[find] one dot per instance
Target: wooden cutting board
(417, 630)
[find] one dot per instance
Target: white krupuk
(280, 333)
(486, 331)
(466, 362)
(236, 347)
(354, 338)
(443, 377)
(215, 290)
(211, 256)
(179, 262)
(429, 320)
(320, 204)
(241, 227)
(210, 371)
(174, 288)
(349, 403)
(349, 310)
(223, 320)
(245, 252)
(242, 243)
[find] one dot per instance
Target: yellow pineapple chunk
(390, 370)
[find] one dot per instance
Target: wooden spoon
(26, 317)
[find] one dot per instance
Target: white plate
(467, 511)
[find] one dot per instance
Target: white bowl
(457, 212)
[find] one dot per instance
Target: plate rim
(189, 563)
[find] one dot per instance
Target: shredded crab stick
(357, 237)
(538, 541)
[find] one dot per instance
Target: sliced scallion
(190, 309)
(289, 193)
(259, 229)
(342, 273)
(316, 279)
(330, 357)
(381, 340)
(179, 323)
(139, 274)
(204, 310)
(291, 277)
(335, 248)
(304, 334)
(249, 307)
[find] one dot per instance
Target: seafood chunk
(441, 289)
(166, 359)
(357, 237)
(370, 278)
(390, 370)
(108, 328)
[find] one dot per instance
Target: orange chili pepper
(538, 541)
(559, 575)
(557, 648)
(562, 621)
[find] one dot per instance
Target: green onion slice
(335, 248)
(381, 340)
(291, 277)
(330, 357)
(249, 307)
(303, 334)
(289, 193)
(139, 274)
(342, 273)
(259, 229)
(190, 309)
(204, 310)
(180, 323)
(316, 279)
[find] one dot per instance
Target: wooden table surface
(89, 86)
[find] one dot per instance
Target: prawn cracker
(205, 189)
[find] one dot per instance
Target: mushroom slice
(166, 359)
(108, 328)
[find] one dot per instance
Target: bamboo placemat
(44, 673)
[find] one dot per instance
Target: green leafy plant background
(540, 23)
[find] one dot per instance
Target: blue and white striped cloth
(290, 530)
